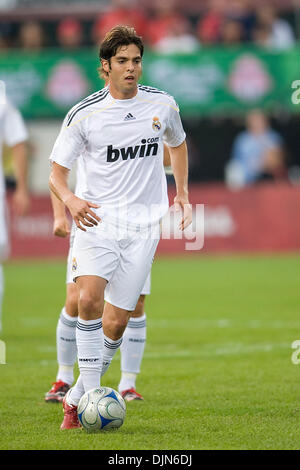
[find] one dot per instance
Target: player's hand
(61, 227)
(82, 213)
(20, 201)
(181, 203)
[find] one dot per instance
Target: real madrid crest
(74, 264)
(156, 125)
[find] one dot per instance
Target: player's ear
(105, 66)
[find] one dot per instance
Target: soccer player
(134, 338)
(118, 133)
(13, 132)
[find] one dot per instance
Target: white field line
(224, 323)
(198, 323)
(226, 349)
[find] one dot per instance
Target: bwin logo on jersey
(149, 147)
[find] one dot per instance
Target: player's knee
(72, 305)
(116, 327)
(120, 323)
(72, 300)
(89, 304)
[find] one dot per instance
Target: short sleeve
(174, 134)
(15, 130)
(68, 145)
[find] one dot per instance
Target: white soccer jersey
(12, 132)
(120, 144)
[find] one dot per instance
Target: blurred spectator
(257, 153)
(69, 34)
(179, 39)
(280, 34)
(242, 11)
(5, 36)
(125, 12)
(31, 36)
(210, 25)
(232, 33)
(230, 21)
(261, 35)
(164, 20)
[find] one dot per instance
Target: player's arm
(20, 161)
(179, 163)
(79, 209)
(61, 227)
(15, 136)
(167, 159)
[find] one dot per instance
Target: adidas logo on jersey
(149, 147)
(129, 117)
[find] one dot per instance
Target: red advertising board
(264, 218)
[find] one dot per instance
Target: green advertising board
(212, 81)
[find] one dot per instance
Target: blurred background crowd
(166, 26)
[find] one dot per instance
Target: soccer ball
(101, 408)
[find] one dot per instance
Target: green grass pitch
(217, 371)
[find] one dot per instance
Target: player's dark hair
(117, 37)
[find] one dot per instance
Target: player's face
(124, 71)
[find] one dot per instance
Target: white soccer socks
(110, 348)
(89, 339)
(66, 347)
(90, 371)
(132, 351)
(96, 351)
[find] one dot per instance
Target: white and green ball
(101, 408)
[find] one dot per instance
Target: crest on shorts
(156, 125)
(74, 264)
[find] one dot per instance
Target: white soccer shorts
(121, 256)
(146, 290)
